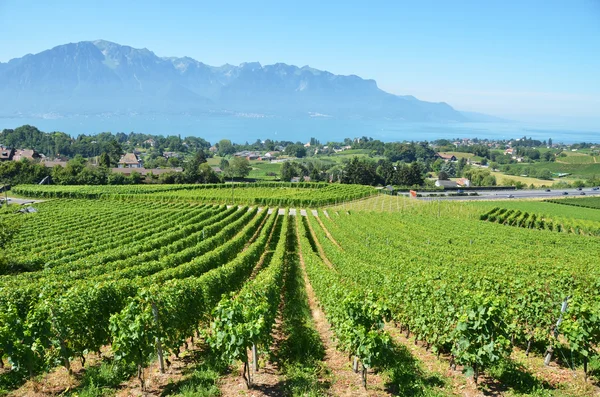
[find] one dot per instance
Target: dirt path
(58, 380)
(345, 382)
(529, 369)
(460, 384)
(329, 236)
(257, 233)
(266, 382)
(319, 247)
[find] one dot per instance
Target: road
(18, 201)
(517, 194)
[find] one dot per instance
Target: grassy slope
(550, 209)
(576, 170)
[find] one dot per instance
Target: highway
(516, 194)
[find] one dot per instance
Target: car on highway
(596, 188)
(582, 193)
(565, 193)
(579, 189)
(548, 190)
(511, 196)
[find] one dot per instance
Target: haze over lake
(242, 129)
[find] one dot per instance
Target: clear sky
(522, 59)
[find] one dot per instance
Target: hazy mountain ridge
(92, 77)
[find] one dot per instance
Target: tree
(361, 172)
(550, 142)
(104, 160)
(449, 169)
(240, 167)
(207, 175)
(545, 174)
(135, 178)
(295, 150)
(225, 147)
(442, 175)
(200, 157)
(461, 166)
(480, 177)
(386, 171)
(223, 164)
(115, 151)
(437, 165)
(288, 171)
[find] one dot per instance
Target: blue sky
(526, 60)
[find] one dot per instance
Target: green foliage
(295, 150)
(357, 316)
(246, 319)
(480, 177)
(22, 172)
(239, 167)
(480, 334)
(225, 147)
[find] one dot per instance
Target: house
(130, 160)
(509, 152)
(52, 163)
(217, 170)
(25, 154)
(150, 142)
(168, 155)
(307, 144)
(306, 178)
(213, 149)
(445, 183)
(144, 171)
(295, 179)
(272, 155)
(252, 157)
(6, 154)
(463, 182)
(446, 157)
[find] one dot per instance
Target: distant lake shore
(243, 129)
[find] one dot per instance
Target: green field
(107, 285)
(541, 221)
(577, 171)
(587, 202)
(261, 168)
(577, 158)
(542, 207)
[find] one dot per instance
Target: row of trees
(358, 171)
(55, 144)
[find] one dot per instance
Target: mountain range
(100, 77)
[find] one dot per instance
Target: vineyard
(587, 202)
(518, 218)
(273, 194)
(153, 281)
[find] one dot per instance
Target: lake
(240, 130)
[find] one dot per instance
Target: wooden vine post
(254, 358)
(159, 351)
(550, 349)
